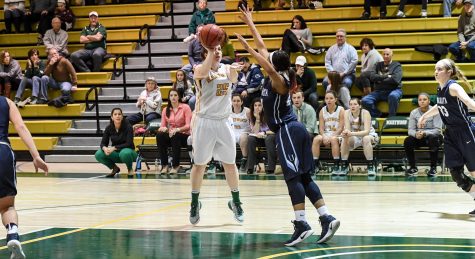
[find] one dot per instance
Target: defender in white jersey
(357, 132)
(330, 127)
(239, 120)
(211, 130)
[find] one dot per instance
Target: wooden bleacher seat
(43, 110)
(45, 126)
(42, 143)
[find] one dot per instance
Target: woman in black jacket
(122, 149)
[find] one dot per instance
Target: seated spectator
(65, 14)
(94, 37)
(202, 16)
(228, 51)
(56, 38)
(122, 149)
(448, 6)
(10, 75)
(184, 88)
(369, 58)
(194, 55)
(239, 118)
(358, 132)
(299, 38)
(367, 8)
(35, 68)
(331, 122)
(429, 136)
(250, 80)
(305, 112)
(402, 4)
(60, 74)
(465, 33)
(173, 132)
(342, 58)
(260, 135)
(387, 79)
(307, 81)
(149, 102)
(14, 10)
(41, 11)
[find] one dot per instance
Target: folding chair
(147, 152)
(390, 148)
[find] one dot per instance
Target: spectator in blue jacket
(249, 82)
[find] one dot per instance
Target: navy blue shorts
(459, 147)
(294, 148)
(7, 171)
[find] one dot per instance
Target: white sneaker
(400, 14)
(189, 38)
(424, 14)
(15, 248)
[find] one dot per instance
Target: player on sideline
(459, 139)
(293, 142)
(211, 130)
(8, 191)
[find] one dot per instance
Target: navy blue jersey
(4, 119)
(277, 108)
(452, 110)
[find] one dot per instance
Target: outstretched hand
(243, 41)
(236, 66)
(39, 163)
(246, 15)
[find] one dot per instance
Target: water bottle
(156, 166)
(138, 164)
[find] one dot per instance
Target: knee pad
(462, 180)
(296, 190)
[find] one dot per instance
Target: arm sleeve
(311, 119)
(354, 61)
(164, 121)
(437, 126)
(312, 83)
(16, 69)
(411, 129)
(396, 76)
(192, 25)
(460, 27)
(105, 137)
(328, 60)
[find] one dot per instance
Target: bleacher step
(167, 61)
(76, 148)
(156, 34)
(80, 141)
(70, 159)
(89, 124)
(142, 75)
(164, 47)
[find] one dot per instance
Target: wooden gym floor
(74, 214)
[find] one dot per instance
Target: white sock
(472, 194)
(315, 158)
(300, 215)
(12, 229)
(322, 211)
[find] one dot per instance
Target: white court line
(391, 251)
(80, 179)
(278, 231)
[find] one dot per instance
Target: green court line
(220, 176)
(102, 224)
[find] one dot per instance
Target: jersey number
(443, 111)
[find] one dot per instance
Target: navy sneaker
(301, 231)
(195, 213)
(329, 226)
(432, 171)
(237, 210)
(411, 171)
(472, 213)
(14, 246)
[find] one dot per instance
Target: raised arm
(202, 70)
(246, 17)
(431, 112)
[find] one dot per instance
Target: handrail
(116, 72)
(122, 72)
(144, 42)
(94, 105)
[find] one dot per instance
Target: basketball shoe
(14, 245)
(237, 210)
(301, 231)
(329, 226)
(195, 213)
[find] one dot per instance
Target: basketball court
(77, 213)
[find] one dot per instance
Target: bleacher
(71, 130)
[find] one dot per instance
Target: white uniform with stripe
(212, 132)
(331, 121)
(240, 123)
(357, 126)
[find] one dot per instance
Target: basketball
(211, 35)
